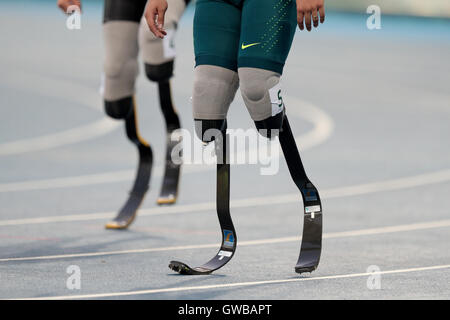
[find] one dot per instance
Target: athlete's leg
(216, 39)
(268, 28)
(159, 54)
(120, 30)
(267, 32)
(121, 25)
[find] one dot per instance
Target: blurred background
(432, 8)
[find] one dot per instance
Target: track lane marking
(322, 130)
(237, 284)
(59, 139)
(49, 87)
(333, 235)
(359, 189)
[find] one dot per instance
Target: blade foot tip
(301, 270)
(177, 266)
(115, 226)
(165, 201)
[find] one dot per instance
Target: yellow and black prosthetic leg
(129, 210)
(121, 31)
(161, 74)
(125, 31)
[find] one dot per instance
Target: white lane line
(323, 123)
(238, 284)
(360, 189)
(63, 138)
(49, 87)
(69, 182)
(65, 90)
(333, 235)
(391, 185)
(86, 180)
(322, 130)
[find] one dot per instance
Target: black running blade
(184, 269)
(169, 190)
(312, 230)
(128, 212)
(229, 240)
(221, 259)
(141, 183)
(311, 246)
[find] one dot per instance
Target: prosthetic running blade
(311, 245)
(141, 184)
(169, 189)
(228, 246)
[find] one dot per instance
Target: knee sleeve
(119, 109)
(156, 51)
(214, 90)
(121, 65)
(261, 92)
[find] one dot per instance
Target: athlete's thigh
(120, 28)
(217, 26)
(267, 31)
(120, 34)
(124, 10)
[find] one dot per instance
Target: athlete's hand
(307, 9)
(65, 5)
(154, 14)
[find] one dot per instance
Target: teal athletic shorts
(244, 33)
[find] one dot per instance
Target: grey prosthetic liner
(121, 59)
(261, 92)
(214, 90)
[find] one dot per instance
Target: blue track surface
(372, 110)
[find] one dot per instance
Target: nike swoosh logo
(243, 47)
